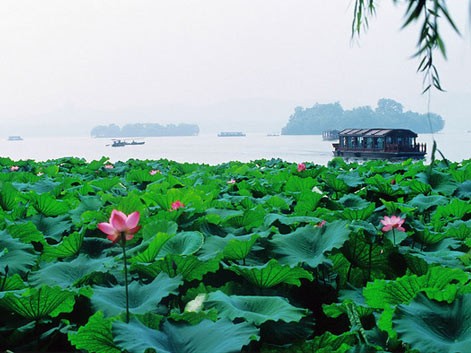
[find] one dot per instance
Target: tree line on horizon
(145, 130)
(387, 114)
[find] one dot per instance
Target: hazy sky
(81, 63)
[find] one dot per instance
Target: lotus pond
(265, 256)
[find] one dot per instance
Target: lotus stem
(394, 237)
(123, 245)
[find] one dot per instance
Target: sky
(67, 66)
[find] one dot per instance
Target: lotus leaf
(221, 336)
(430, 326)
(254, 309)
(309, 244)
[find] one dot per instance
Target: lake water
(210, 149)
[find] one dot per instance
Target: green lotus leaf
(456, 209)
(189, 266)
(295, 184)
(221, 336)
(251, 218)
(142, 297)
(26, 232)
(254, 309)
(423, 203)
(151, 229)
(440, 182)
(464, 190)
(439, 283)
(183, 243)
(19, 257)
(419, 187)
(354, 214)
(42, 186)
(271, 274)
(52, 227)
(152, 250)
(10, 283)
(430, 326)
(309, 244)
(69, 246)
(458, 229)
(237, 248)
(306, 203)
(336, 184)
(87, 204)
(289, 220)
(48, 206)
(353, 201)
(278, 203)
(39, 303)
(105, 184)
(383, 186)
(352, 179)
(444, 257)
(95, 336)
(8, 196)
(68, 274)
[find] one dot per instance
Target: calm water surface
(210, 149)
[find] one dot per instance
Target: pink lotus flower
(301, 167)
(321, 224)
(14, 168)
(109, 166)
(154, 172)
(393, 222)
(232, 181)
(120, 225)
(176, 205)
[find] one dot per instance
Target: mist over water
(210, 149)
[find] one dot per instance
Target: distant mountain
(388, 114)
(145, 130)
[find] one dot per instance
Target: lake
(210, 149)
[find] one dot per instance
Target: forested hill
(145, 130)
(388, 114)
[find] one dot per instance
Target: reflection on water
(210, 149)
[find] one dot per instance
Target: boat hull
(379, 155)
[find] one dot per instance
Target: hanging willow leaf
(271, 274)
(39, 303)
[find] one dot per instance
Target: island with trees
(145, 130)
(387, 114)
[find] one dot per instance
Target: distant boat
(379, 144)
(230, 134)
(15, 138)
(122, 143)
(330, 135)
(273, 134)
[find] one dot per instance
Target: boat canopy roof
(377, 132)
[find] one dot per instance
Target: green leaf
(183, 243)
(309, 244)
(142, 297)
(49, 206)
(237, 248)
(271, 274)
(19, 257)
(52, 227)
(26, 232)
(8, 196)
(95, 336)
(69, 274)
(189, 267)
(354, 214)
(423, 203)
(429, 326)
(152, 250)
(221, 336)
(254, 309)
(70, 246)
(39, 303)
